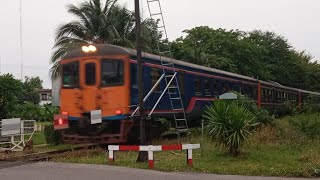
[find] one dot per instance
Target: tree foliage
(259, 54)
(101, 23)
(17, 97)
(10, 94)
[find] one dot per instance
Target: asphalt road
(58, 171)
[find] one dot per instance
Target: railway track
(36, 157)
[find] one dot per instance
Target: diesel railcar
(104, 77)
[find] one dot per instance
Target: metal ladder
(172, 86)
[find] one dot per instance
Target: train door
(90, 84)
(70, 93)
(115, 87)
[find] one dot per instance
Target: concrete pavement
(61, 171)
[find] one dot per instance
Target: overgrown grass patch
(276, 150)
(39, 138)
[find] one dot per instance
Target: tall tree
(100, 23)
(261, 54)
(10, 94)
(31, 85)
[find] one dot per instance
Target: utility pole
(143, 140)
(20, 8)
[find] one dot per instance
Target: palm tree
(229, 124)
(96, 23)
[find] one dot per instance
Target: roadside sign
(10, 126)
(229, 96)
(96, 117)
(61, 121)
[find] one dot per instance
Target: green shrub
(309, 124)
(52, 136)
(262, 116)
(230, 124)
(30, 111)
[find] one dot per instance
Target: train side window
(207, 87)
(255, 93)
(225, 87)
(270, 95)
(197, 86)
(70, 75)
(90, 74)
(181, 83)
(251, 93)
(112, 73)
(155, 75)
(215, 88)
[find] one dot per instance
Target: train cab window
(70, 75)
(112, 73)
(155, 76)
(90, 74)
(197, 86)
(207, 87)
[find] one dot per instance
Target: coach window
(90, 74)
(216, 88)
(250, 92)
(197, 86)
(181, 83)
(207, 87)
(225, 87)
(270, 95)
(111, 73)
(70, 75)
(155, 76)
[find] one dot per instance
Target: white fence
(14, 138)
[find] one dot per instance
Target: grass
(44, 123)
(278, 150)
(39, 138)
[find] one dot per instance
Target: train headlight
(92, 48)
(88, 49)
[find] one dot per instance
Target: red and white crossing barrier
(151, 149)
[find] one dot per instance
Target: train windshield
(70, 75)
(111, 73)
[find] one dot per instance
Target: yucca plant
(230, 124)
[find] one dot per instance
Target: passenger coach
(104, 77)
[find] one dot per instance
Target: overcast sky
(297, 20)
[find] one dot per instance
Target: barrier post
(111, 150)
(111, 157)
(189, 157)
(150, 160)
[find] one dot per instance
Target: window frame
(77, 85)
(207, 90)
(101, 72)
(182, 82)
(154, 81)
(197, 93)
(95, 74)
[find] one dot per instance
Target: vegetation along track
(43, 156)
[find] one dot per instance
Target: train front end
(94, 96)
